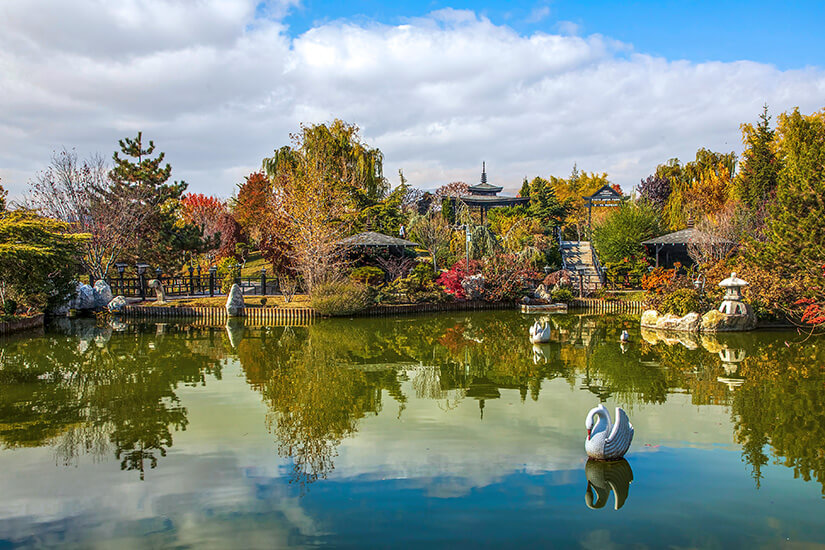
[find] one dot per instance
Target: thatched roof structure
(373, 239)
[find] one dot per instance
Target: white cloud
(539, 13)
(218, 87)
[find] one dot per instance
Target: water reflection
(113, 390)
(606, 477)
(90, 391)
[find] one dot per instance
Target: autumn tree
(81, 194)
(655, 190)
(355, 166)
(3, 195)
(251, 206)
(230, 235)
(203, 211)
(314, 183)
(160, 237)
(570, 193)
(447, 198)
(757, 180)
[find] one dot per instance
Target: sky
(529, 87)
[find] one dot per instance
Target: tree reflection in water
(90, 390)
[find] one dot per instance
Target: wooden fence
(304, 315)
(598, 305)
(253, 315)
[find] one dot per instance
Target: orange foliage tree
(203, 211)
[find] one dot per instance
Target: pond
(441, 430)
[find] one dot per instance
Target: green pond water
(447, 430)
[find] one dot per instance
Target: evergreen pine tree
(544, 204)
(160, 238)
(760, 168)
(525, 188)
(795, 229)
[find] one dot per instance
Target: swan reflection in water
(604, 477)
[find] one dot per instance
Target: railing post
(263, 281)
(142, 286)
(191, 281)
(212, 281)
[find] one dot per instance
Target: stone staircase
(579, 258)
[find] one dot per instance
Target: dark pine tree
(160, 238)
(760, 167)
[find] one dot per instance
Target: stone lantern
(732, 303)
(731, 359)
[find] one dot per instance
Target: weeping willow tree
(338, 147)
(698, 188)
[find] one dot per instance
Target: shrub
(451, 279)
(367, 275)
(682, 301)
(9, 306)
(228, 271)
(507, 277)
(563, 295)
(339, 298)
(628, 272)
(422, 275)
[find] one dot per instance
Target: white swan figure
(604, 443)
(540, 334)
(625, 337)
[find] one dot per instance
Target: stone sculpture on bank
(733, 314)
(160, 294)
(235, 306)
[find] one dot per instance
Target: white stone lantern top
(733, 282)
(732, 304)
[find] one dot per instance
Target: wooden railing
(273, 316)
(607, 306)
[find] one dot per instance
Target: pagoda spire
(483, 172)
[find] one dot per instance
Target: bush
(228, 271)
(563, 295)
(422, 275)
(9, 306)
(682, 301)
(367, 275)
(340, 298)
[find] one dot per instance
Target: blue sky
(788, 35)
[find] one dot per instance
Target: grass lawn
(300, 300)
(628, 296)
(254, 263)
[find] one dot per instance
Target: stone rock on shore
(84, 298)
(689, 323)
(117, 304)
(716, 321)
(103, 293)
(235, 306)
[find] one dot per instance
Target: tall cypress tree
(760, 167)
(795, 228)
(161, 238)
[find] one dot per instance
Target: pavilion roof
(372, 238)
